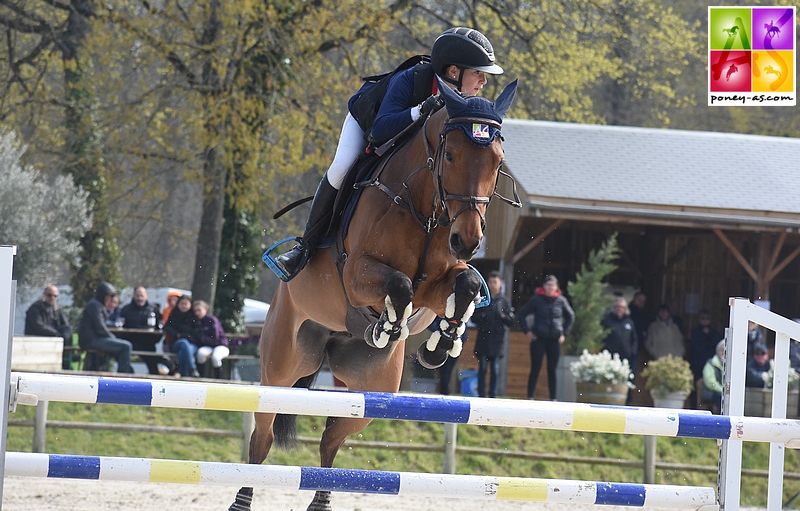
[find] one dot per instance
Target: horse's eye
(448, 156)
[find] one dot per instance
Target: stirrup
(270, 261)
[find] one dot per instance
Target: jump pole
(457, 410)
(361, 481)
(7, 293)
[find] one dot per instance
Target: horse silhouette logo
(772, 30)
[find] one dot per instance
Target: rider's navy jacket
(395, 111)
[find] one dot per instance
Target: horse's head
(467, 165)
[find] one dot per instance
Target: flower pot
(565, 388)
(669, 400)
(758, 402)
(602, 393)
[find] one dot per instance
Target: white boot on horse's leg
(390, 327)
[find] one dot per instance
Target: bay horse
(398, 260)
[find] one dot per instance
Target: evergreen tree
(589, 299)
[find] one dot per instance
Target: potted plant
(589, 300)
(669, 380)
(601, 378)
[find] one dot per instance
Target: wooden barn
(700, 217)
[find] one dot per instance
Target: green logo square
(729, 28)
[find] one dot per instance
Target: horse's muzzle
(461, 249)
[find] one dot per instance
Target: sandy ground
(35, 494)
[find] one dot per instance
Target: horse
(772, 30)
(404, 258)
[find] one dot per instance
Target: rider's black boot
(321, 210)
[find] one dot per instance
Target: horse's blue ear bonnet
(475, 108)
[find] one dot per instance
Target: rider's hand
(430, 105)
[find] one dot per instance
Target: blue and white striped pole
(458, 410)
(360, 481)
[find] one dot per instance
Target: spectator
(758, 368)
(114, 320)
(172, 299)
(754, 338)
(550, 322)
(712, 379)
(446, 372)
(93, 332)
(492, 321)
(639, 316)
(663, 336)
(703, 344)
(182, 326)
(45, 318)
(210, 337)
(140, 313)
(622, 338)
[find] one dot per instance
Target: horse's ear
(452, 100)
(503, 101)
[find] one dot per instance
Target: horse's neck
(416, 174)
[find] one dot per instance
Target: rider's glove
(430, 105)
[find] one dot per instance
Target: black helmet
(465, 48)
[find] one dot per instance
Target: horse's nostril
(456, 243)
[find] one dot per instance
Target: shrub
(668, 374)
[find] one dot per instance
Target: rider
(461, 57)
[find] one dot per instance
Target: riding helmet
(465, 48)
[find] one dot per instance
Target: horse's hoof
(374, 338)
(321, 502)
(431, 359)
(244, 497)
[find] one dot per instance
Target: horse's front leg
(368, 281)
(459, 291)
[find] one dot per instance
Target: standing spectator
(703, 343)
(181, 326)
(551, 321)
(712, 379)
(140, 314)
(210, 337)
(492, 321)
(622, 338)
(754, 338)
(45, 318)
(758, 368)
(93, 332)
(639, 316)
(663, 336)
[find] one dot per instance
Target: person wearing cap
(460, 58)
(758, 367)
(93, 332)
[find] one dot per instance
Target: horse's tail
(285, 426)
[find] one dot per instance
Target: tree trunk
(210, 235)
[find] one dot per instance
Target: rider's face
(472, 82)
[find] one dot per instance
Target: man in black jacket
(45, 318)
(491, 322)
(140, 313)
(94, 334)
(622, 338)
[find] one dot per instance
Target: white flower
(601, 368)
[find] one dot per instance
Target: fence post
(248, 426)
(8, 293)
(450, 438)
(649, 459)
(40, 427)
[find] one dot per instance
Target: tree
(45, 220)
(589, 299)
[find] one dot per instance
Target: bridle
(435, 164)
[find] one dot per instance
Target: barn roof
(697, 176)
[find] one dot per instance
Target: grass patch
(192, 447)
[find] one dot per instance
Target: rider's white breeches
(351, 145)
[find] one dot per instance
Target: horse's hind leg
(460, 298)
(260, 444)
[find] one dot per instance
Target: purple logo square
(773, 28)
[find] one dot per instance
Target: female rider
(461, 57)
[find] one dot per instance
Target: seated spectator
(182, 326)
(45, 318)
(663, 336)
(140, 313)
(758, 368)
(93, 332)
(172, 299)
(211, 337)
(712, 379)
(114, 320)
